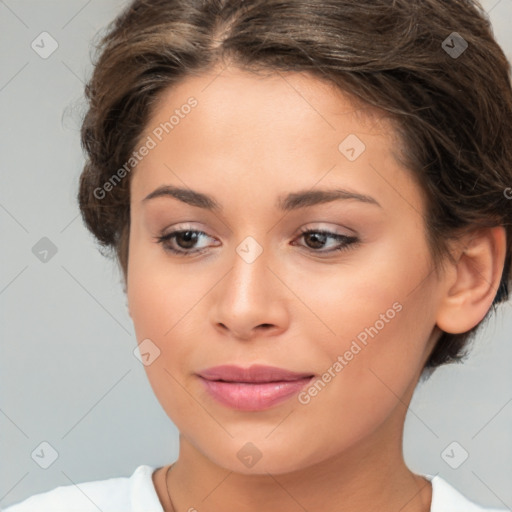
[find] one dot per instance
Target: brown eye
(186, 239)
(317, 239)
(182, 241)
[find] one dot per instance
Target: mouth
(252, 389)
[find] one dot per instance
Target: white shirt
(137, 494)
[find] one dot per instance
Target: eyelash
(348, 241)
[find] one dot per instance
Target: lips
(252, 389)
(255, 373)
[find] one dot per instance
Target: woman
(308, 201)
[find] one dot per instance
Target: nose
(250, 301)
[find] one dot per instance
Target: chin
(262, 456)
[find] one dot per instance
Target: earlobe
(473, 280)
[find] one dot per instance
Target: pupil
(318, 236)
(189, 238)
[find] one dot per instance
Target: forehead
(292, 105)
(278, 130)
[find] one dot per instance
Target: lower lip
(254, 397)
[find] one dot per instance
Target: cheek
(159, 307)
(163, 312)
(366, 296)
(380, 321)
(364, 385)
(159, 294)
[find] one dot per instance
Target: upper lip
(255, 373)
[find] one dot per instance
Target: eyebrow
(291, 201)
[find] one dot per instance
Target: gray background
(67, 369)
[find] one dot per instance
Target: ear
(472, 280)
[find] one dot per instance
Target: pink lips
(252, 389)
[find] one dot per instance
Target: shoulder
(445, 498)
(121, 494)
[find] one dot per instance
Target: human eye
(319, 237)
(182, 241)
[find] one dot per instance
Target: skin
(249, 140)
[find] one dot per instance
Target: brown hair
(449, 94)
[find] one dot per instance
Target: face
(309, 254)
